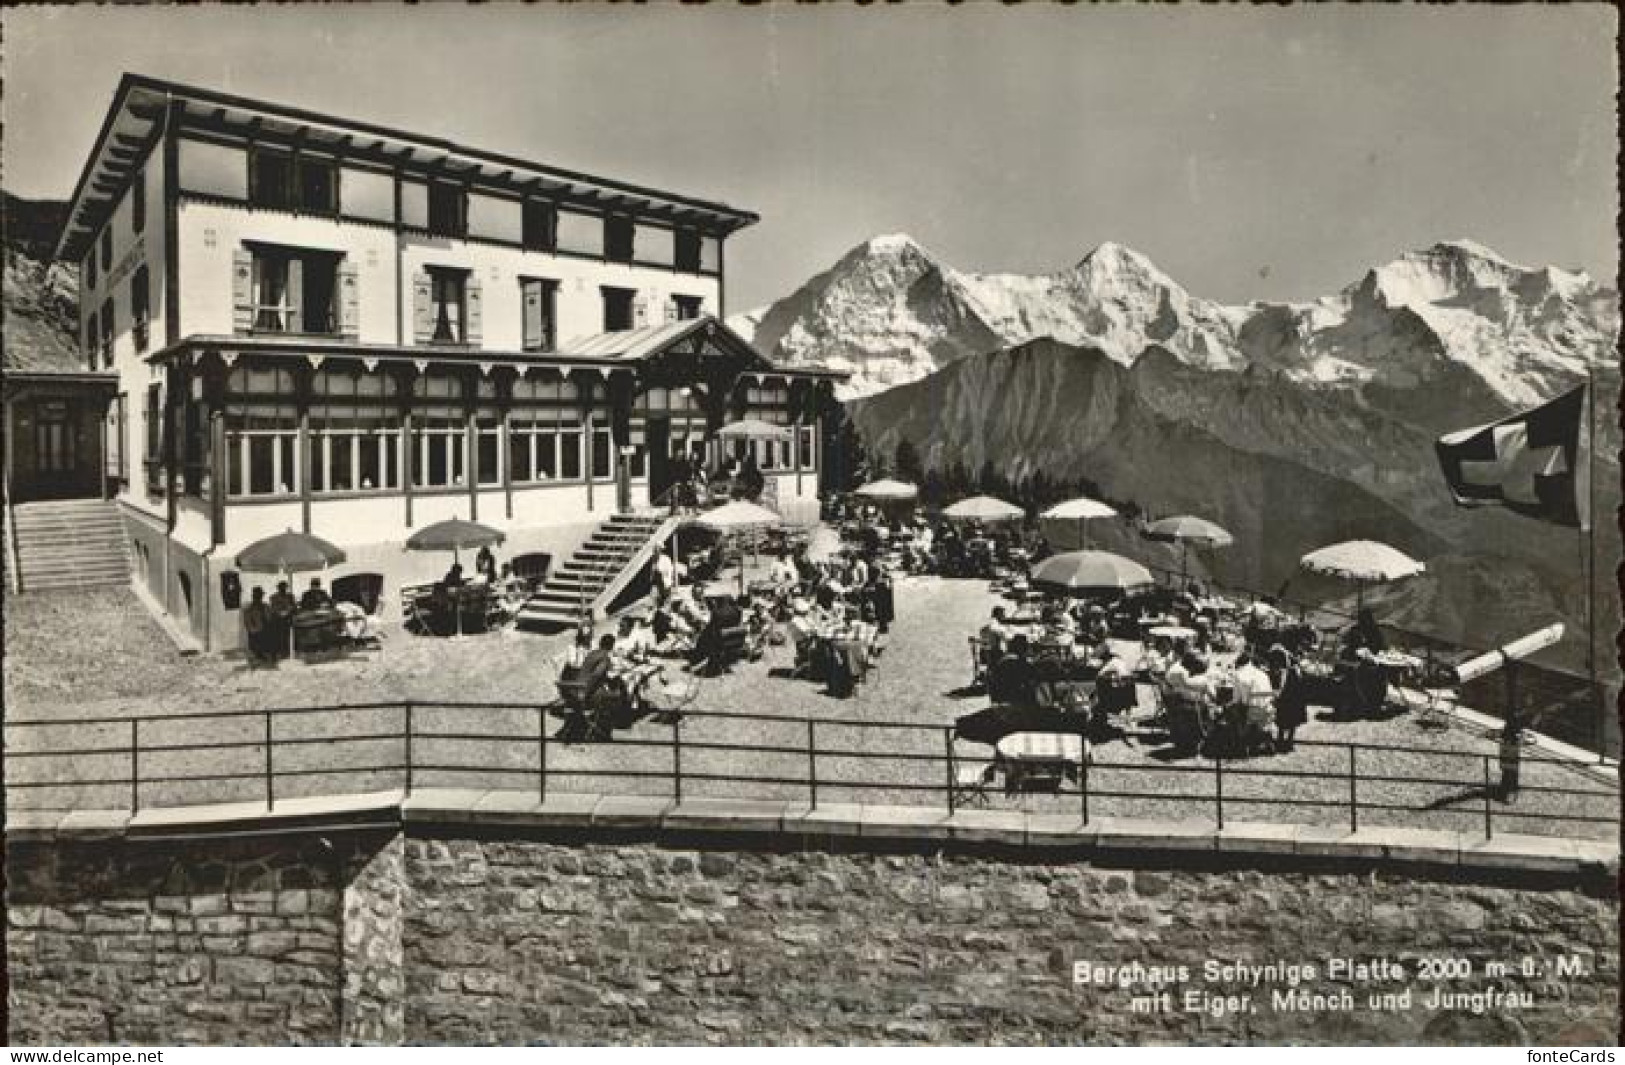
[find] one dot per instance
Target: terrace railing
(271, 756)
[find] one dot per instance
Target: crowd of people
(923, 545)
(1226, 678)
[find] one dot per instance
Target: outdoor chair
(973, 782)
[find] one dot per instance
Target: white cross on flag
(1528, 463)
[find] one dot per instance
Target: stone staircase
(600, 569)
(71, 543)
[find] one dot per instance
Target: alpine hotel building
(328, 326)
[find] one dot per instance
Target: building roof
(605, 351)
(135, 121)
(629, 345)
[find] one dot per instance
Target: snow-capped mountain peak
(891, 312)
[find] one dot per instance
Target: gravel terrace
(80, 656)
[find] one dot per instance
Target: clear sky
(1253, 153)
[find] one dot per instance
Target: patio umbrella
(454, 535)
(983, 508)
(888, 490)
(1363, 562)
(1080, 510)
(1091, 572)
(289, 552)
(738, 516)
(1185, 530)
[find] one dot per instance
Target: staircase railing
(14, 567)
(633, 565)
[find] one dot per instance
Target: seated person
(597, 668)
(1364, 681)
(1114, 684)
(1012, 678)
(1251, 685)
(576, 654)
(1157, 658)
(995, 635)
(315, 597)
(1190, 678)
(783, 572)
(454, 576)
(485, 565)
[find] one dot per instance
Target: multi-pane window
(448, 295)
(153, 422)
(686, 250)
(541, 226)
(294, 290)
(618, 241)
(617, 308)
(487, 434)
(603, 453)
(439, 432)
(107, 332)
(539, 300)
(138, 202)
(448, 209)
(686, 308)
(262, 433)
(544, 431)
(808, 446)
(355, 432)
(280, 180)
(771, 405)
(140, 311)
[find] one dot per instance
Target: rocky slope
(40, 297)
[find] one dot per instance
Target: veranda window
(262, 433)
(544, 432)
(439, 432)
(355, 433)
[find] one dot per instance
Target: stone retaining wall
(461, 933)
(217, 941)
(512, 940)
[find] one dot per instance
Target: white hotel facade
(328, 326)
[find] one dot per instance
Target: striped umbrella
(983, 508)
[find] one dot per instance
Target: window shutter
(242, 290)
(640, 311)
(349, 300)
(296, 296)
(533, 338)
(475, 310)
(673, 312)
(422, 309)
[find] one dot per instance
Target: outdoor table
(1035, 756)
(1173, 632)
(316, 629)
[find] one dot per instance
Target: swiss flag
(1528, 463)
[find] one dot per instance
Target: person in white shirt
(784, 572)
(1252, 685)
(665, 576)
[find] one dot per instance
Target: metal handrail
(818, 760)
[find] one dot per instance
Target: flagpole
(1591, 557)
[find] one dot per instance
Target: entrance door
(662, 471)
(54, 440)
